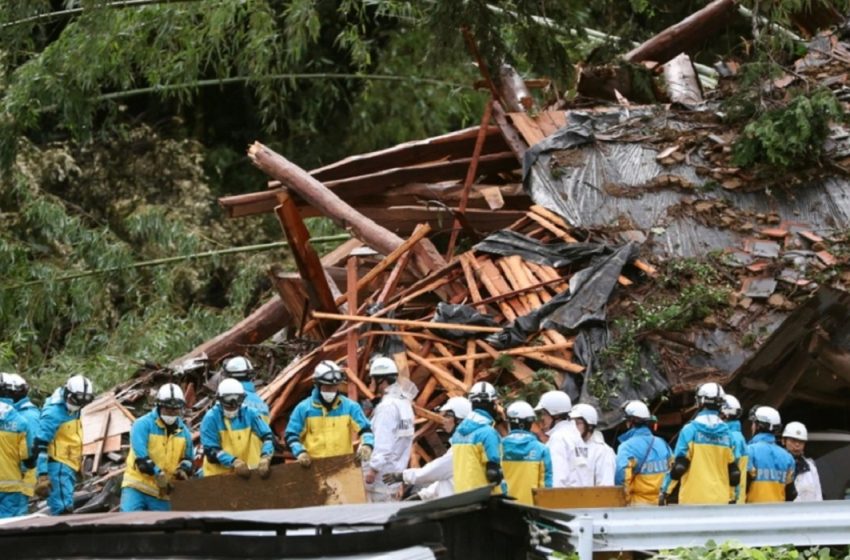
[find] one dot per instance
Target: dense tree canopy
(122, 121)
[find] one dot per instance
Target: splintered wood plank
(515, 285)
(548, 273)
(541, 292)
(549, 215)
(529, 129)
(472, 285)
(423, 412)
(547, 124)
(452, 386)
(454, 361)
(425, 394)
(558, 232)
(487, 282)
(494, 281)
(471, 354)
(351, 338)
(469, 367)
(556, 362)
(335, 480)
(522, 276)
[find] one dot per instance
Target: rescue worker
(526, 461)
(771, 468)
(806, 479)
(705, 464)
(15, 441)
(322, 424)
(730, 412)
(477, 447)
(19, 393)
(392, 425)
(435, 479)
(554, 409)
(595, 460)
(160, 452)
(228, 432)
(642, 458)
(242, 370)
(59, 444)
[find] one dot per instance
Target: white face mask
(72, 407)
(328, 396)
(169, 420)
(231, 414)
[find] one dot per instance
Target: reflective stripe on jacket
(527, 465)
(643, 460)
(707, 444)
(150, 439)
(327, 432)
(771, 469)
(474, 444)
(15, 440)
(62, 431)
(228, 440)
(32, 415)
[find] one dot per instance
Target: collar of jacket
(758, 438)
(636, 431)
(562, 425)
(734, 425)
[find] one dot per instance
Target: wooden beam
(405, 322)
(786, 378)
(685, 35)
(306, 258)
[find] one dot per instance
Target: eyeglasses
(79, 399)
(173, 404)
(231, 401)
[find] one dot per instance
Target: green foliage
(791, 136)
(698, 293)
(737, 551)
(542, 381)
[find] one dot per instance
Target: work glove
(364, 453)
(304, 459)
(180, 474)
(662, 499)
(264, 466)
(184, 470)
(392, 478)
(161, 481)
(241, 468)
(43, 486)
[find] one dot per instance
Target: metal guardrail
(657, 528)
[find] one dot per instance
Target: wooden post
(351, 338)
(305, 256)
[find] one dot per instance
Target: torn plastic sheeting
(460, 315)
(556, 255)
(585, 301)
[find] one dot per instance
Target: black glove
(392, 478)
(493, 473)
(662, 499)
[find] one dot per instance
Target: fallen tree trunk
(685, 35)
(682, 83)
(253, 329)
(329, 204)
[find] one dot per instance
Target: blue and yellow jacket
(166, 448)
(226, 440)
(642, 462)
(706, 447)
(253, 400)
(326, 431)
(15, 442)
(740, 442)
(771, 469)
(474, 444)
(60, 434)
(32, 415)
(527, 465)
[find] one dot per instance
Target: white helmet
(731, 407)
(171, 396)
(637, 410)
(327, 373)
(556, 403)
(238, 367)
(460, 407)
(767, 417)
(14, 385)
(586, 413)
(520, 410)
(382, 366)
(79, 391)
(482, 392)
(230, 393)
(710, 394)
(796, 430)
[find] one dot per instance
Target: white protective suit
(563, 441)
(392, 425)
(595, 462)
(437, 478)
(808, 484)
